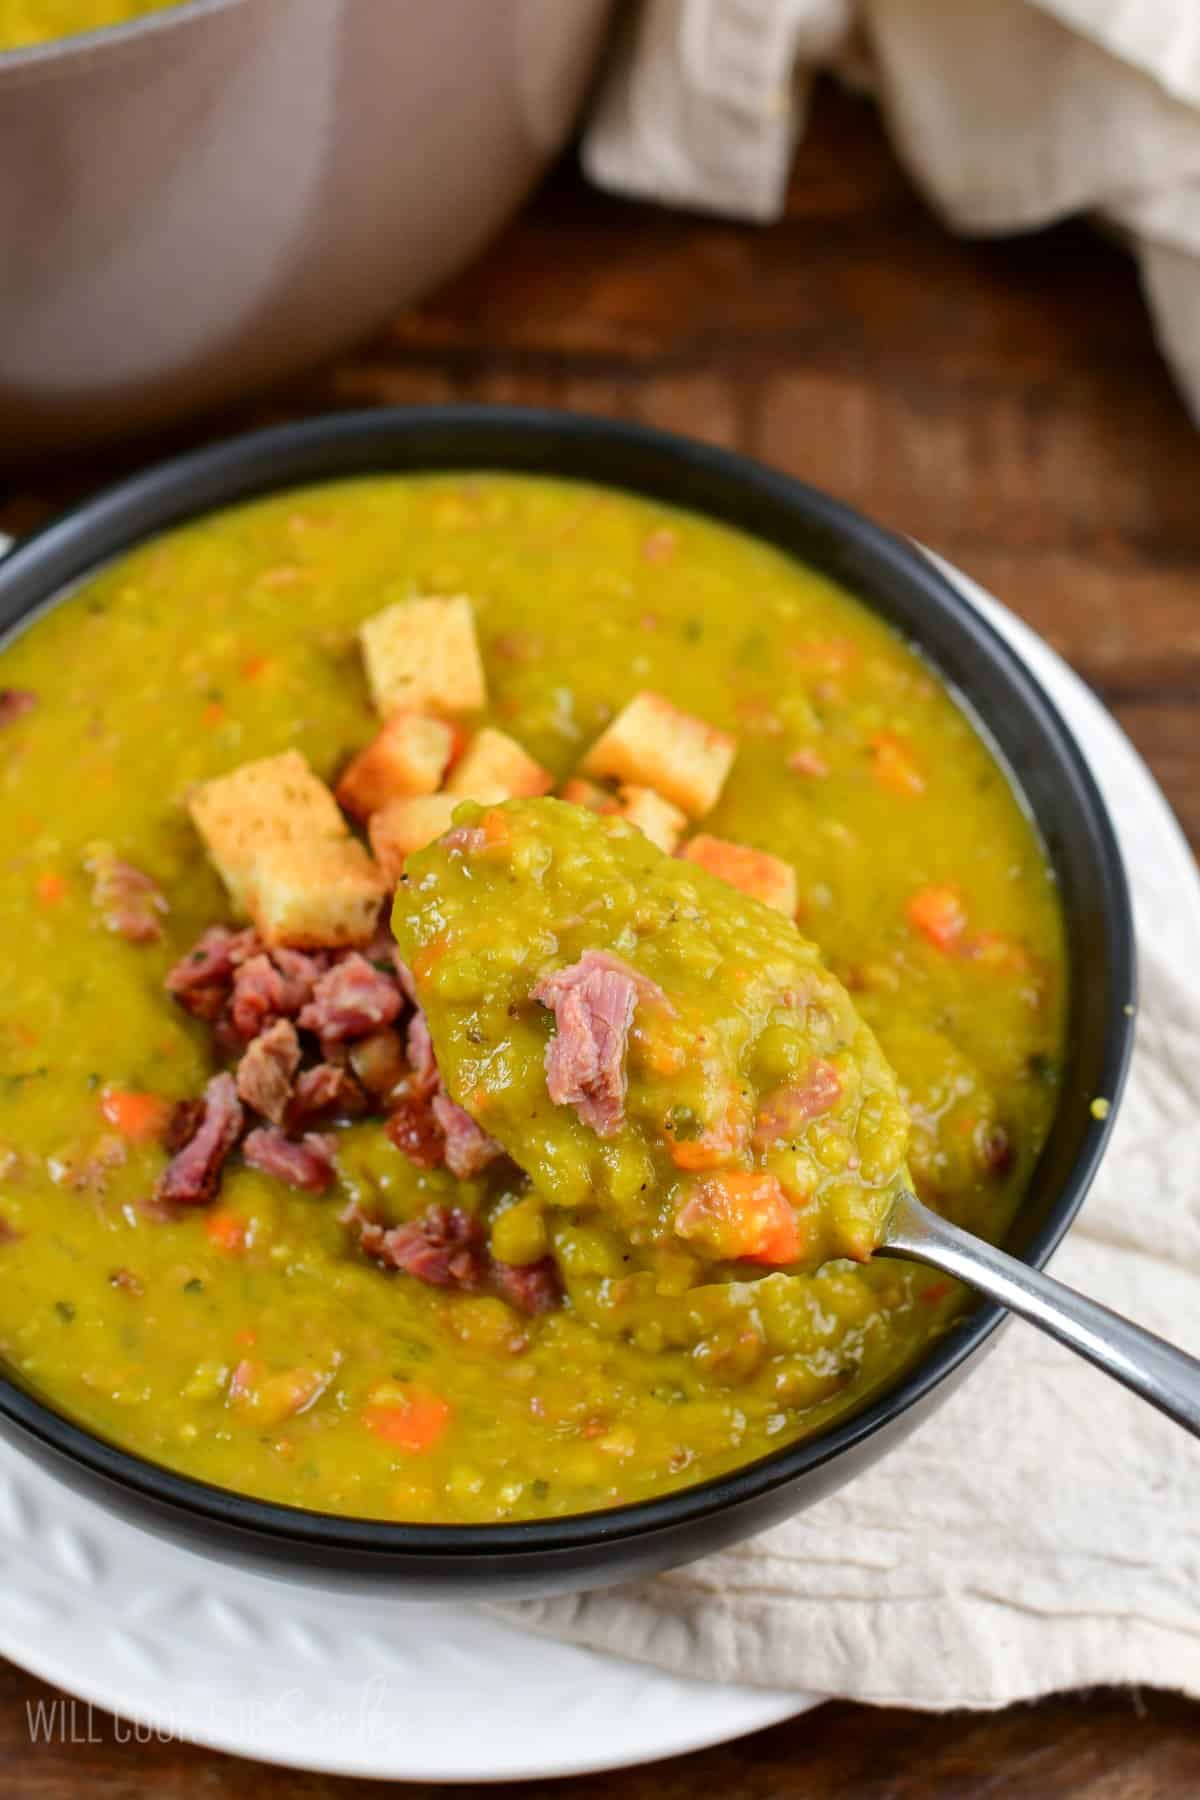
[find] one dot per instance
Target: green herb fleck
(13, 1082)
(194, 1286)
(65, 1311)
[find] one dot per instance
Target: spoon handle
(1168, 1378)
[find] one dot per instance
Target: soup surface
(25, 22)
(268, 1340)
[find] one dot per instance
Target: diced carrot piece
(226, 1232)
(938, 913)
(740, 1215)
(51, 888)
(137, 1116)
(246, 1338)
(255, 667)
(241, 1382)
(270, 1399)
(997, 951)
(808, 762)
(894, 764)
(824, 656)
(414, 1422)
(495, 827)
(214, 714)
(714, 1148)
(660, 544)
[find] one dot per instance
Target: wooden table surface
(1003, 402)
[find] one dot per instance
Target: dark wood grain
(1004, 403)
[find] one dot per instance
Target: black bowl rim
(194, 483)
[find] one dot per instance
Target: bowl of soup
(267, 1284)
(217, 192)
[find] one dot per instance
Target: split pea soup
(261, 1339)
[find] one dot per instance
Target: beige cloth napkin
(1007, 113)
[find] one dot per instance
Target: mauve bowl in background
(196, 203)
(897, 581)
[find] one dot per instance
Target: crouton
(315, 895)
(408, 756)
(653, 744)
(423, 656)
(403, 826)
(495, 767)
(661, 822)
(579, 792)
(755, 872)
(276, 801)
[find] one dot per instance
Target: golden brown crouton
(495, 767)
(277, 800)
(315, 895)
(756, 872)
(653, 744)
(423, 656)
(409, 756)
(403, 826)
(661, 822)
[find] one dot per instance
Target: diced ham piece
(444, 1247)
(129, 903)
(469, 1150)
(530, 1287)
(325, 1088)
(379, 1062)
(422, 1062)
(183, 1124)
(351, 1000)
(275, 986)
(266, 1071)
(201, 980)
(404, 976)
(593, 1001)
(305, 1163)
(15, 703)
(786, 1110)
(412, 1127)
(193, 1175)
(467, 838)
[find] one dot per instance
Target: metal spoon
(1168, 1378)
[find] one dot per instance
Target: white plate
(342, 1684)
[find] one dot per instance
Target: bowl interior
(1003, 698)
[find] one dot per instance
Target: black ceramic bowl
(1015, 714)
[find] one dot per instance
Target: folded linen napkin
(1007, 113)
(1042, 1530)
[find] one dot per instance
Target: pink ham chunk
(444, 1247)
(593, 1001)
(305, 1163)
(469, 1150)
(193, 1175)
(351, 1000)
(267, 1069)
